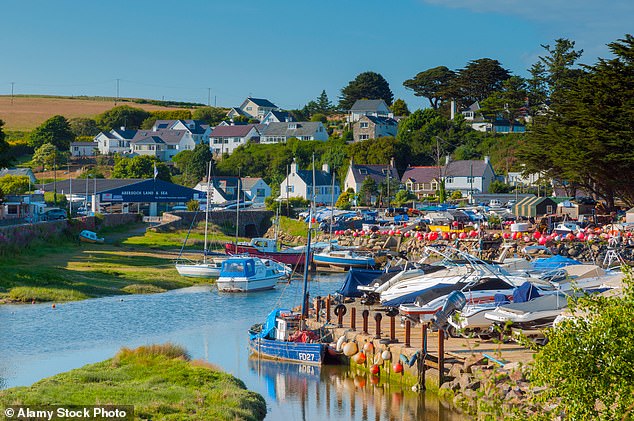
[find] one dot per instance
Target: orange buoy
(397, 367)
(359, 358)
(53, 306)
(374, 369)
(368, 347)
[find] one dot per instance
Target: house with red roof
(226, 139)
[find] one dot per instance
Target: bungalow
(299, 183)
(115, 141)
(83, 148)
(225, 139)
(373, 127)
(369, 107)
(302, 130)
(358, 173)
(421, 180)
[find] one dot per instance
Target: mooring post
(365, 314)
(317, 307)
(328, 309)
(353, 318)
(341, 311)
(424, 351)
(441, 357)
(393, 329)
(377, 319)
(408, 325)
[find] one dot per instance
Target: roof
(368, 105)
(465, 168)
(261, 102)
(93, 144)
(240, 130)
(528, 205)
(148, 140)
(282, 115)
(322, 178)
(79, 184)
(238, 111)
(124, 134)
(423, 174)
(303, 128)
(382, 120)
(376, 172)
(27, 172)
(168, 136)
(199, 126)
(249, 182)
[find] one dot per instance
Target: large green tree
(559, 65)
(141, 166)
(477, 81)
(14, 184)
(321, 105)
(121, 116)
(431, 84)
(82, 126)
(210, 115)
(56, 131)
(508, 102)
(49, 156)
(367, 85)
(399, 108)
(588, 137)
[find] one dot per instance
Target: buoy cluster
(370, 356)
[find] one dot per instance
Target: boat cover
(500, 299)
(525, 292)
(269, 325)
(357, 277)
(554, 262)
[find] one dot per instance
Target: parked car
(55, 214)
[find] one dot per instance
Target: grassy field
(159, 380)
(68, 270)
(26, 113)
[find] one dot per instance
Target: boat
(87, 236)
(534, 314)
(247, 274)
(565, 228)
(344, 258)
(268, 248)
(209, 267)
(283, 336)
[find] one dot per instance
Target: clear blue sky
(286, 51)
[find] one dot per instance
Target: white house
(253, 108)
(163, 143)
(357, 173)
(299, 184)
(277, 117)
(369, 107)
(302, 130)
(83, 148)
(225, 139)
(25, 172)
(114, 141)
(255, 189)
(224, 189)
(469, 176)
(197, 129)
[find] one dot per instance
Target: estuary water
(38, 341)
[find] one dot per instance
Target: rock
(504, 388)
(474, 385)
(513, 395)
(456, 370)
(512, 366)
(472, 360)
(516, 375)
(464, 380)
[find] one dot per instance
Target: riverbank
(64, 269)
(158, 380)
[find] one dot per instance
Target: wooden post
(441, 357)
(340, 316)
(365, 314)
(317, 307)
(424, 351)
(408, 325)
(393, 329)
(353, 318)
(377, 319)
(328, 309)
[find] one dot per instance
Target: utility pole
(12, 83)
(214, 100)
(209, 97)
(117, 98)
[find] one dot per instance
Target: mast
(207, 211)
(307, 257)
(332, 207)
(238, 211)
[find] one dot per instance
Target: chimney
(123, 128)
(487, 159)
(325, 168)
(392, 162)
(447, 159)
(294, 167)
(453, 109)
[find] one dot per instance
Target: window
(290, 189)
(292, 126)
(249, 108)
(363, 125)
(449, 180)
(236, 139)
(549, 209)
(470, 180)
(75, 148)
(260, 192)
(363, 171)
(364, 137)
(171, 146)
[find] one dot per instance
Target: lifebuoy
(340, 309)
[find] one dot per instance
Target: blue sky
(286, 51)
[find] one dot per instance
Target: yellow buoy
(350, 349)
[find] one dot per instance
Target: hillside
(28, 112)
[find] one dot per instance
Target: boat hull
(242, 284)
(291, 259)
(322, 260)
(198, 270)
(301, 352)
(90, 240)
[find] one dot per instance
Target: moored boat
(344, 258)
(267, 248)
(87, 236)
(246, 274)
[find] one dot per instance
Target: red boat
(267, 248)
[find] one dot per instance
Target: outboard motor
(455, 301)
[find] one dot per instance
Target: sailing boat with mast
(283, 336)
(209, 267)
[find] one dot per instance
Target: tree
(321, 106)
(148, 123)
(403, 196)
(477, 81)
(559, 66)
(210, 115)
(431, 84)
(121, 116)
(499, 187)
(399, 108)
(81, 126)
(49, 157)
(319, 117)
(14, 184)
(508, 102)
(367, 85)
(344, 201)
(141, 166)
(5, 159)
(197, 167)
(368, 189)
(537, 87)
(55, 131)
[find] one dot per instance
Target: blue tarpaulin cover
(525, 292)
(356, 277)
(269, 325)
(554, 262)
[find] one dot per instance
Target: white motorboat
(533, 314)
(246, 274)
(344, 258)
(565, 228)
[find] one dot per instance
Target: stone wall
(253, 223)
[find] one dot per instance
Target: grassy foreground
(159, 380)
(67, 270)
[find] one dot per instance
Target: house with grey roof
(299, 183)
(236, 112)
(198, 129)
(225, 139)
(253, 108)
(277, 117)
(163, 143)
(18, 172)
(421, 180)
(302, 130)
(224, 189)
(369, 107)
(468, 176)
(373, 127)
(358, 173)
(115, 141)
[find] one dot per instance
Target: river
(38, 341)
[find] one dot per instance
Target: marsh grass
(159, 380)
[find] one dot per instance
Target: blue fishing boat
(344, 258)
